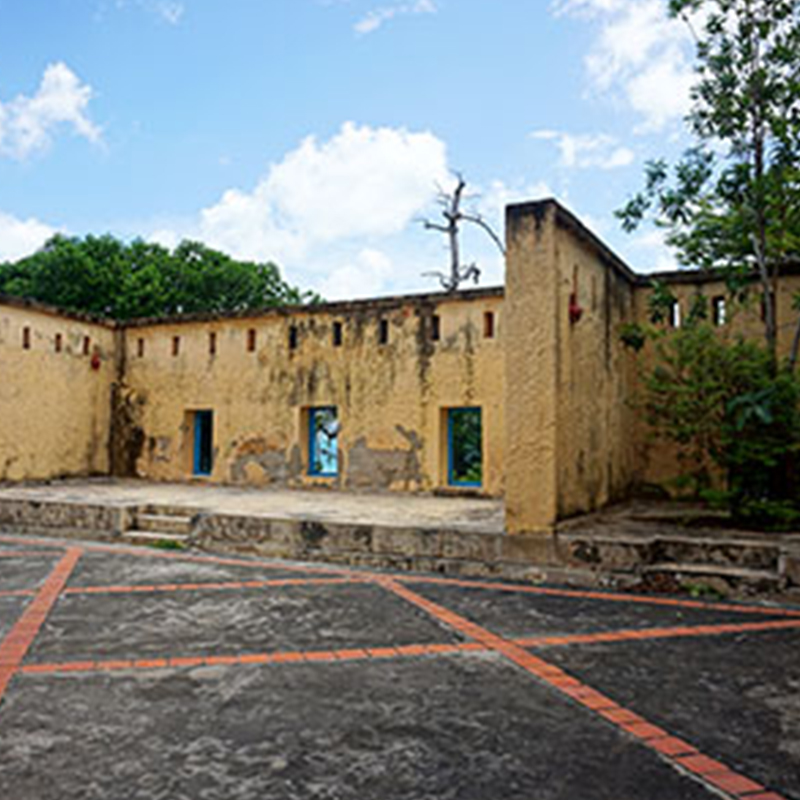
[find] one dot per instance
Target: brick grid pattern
(682, 755)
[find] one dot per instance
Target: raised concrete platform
(635, 543)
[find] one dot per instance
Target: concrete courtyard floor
(474, 515)
(141, 673)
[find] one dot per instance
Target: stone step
(628, 551)
(155, 538)
(170, 523)
(730, 575)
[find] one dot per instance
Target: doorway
(203, 442)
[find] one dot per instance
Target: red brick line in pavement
(142, 552)
(741, 608)
(19, 639)
(403, 651)
(681, 754)
(18, 593)
(29, 553)
(193, 587)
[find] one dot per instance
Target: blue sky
(314, 132)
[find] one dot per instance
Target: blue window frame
(464, 447)
(323, 447)
(203, 442)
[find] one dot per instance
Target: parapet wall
(56, 373)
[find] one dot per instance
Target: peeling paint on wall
(382, 468)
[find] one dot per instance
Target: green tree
(732, 203)
(104, 276)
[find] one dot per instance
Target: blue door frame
(452, 417)
(322, 464)
(203, 442)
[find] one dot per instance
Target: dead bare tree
(454, 216)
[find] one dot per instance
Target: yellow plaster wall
(391, 399)
(659, 464)
(596, 448)
(54, 408)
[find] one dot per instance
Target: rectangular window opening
(465, 447)
(383, 331)
(293, 337)
(720, 310)
(488, 325)
(323, 445)
(87, 345)
(176, 345)
(59, 343)
(337, 334)
(212, 344)
(203, 442)
(251, 340)
(140, 348)
(436, 328)
(675, 315)
(26, 338)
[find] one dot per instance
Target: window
(58, 344)
(383, 331)
(212, 344)
(251, 340)
(293, 337)
(26, 338)
(465, 447)
(323, 447)
(87, 345)
(337, 334)
(436, 328)
(176, 345)
(488, 325)
(675, 315)
(140, 348)
(719, 310)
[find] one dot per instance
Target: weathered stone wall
(391, 398)
(54, 406)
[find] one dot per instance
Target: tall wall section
(391, 398)
(56, 373)
(570, 446)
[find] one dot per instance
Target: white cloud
(364, 182)
(374, 19)
(21, 237)
(648, 253)
(169, 11)
(366, 275)
(588, 151)
(640, 53)
(27, 124)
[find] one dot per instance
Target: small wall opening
(323, 441)
(140, 348)
(58, 344)
(26, 338)
(176, 345)
(212, 344)
(337, 334)
(464, 447)
(293, 337)
(488, 325)
(436, 328)
(383, 331)
(251, 341)
(87, 345)
(719, 310)
(675, 315)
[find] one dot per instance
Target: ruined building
(521, 391)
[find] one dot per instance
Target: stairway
(162, 526)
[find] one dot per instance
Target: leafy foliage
(732, 202)
(102, 275)
(722, 403)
